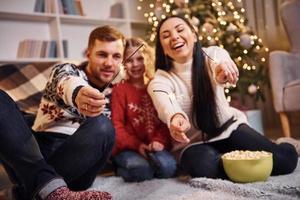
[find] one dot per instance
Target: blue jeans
(37, 162)
(133, 167)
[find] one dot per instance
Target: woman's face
(177, 39)
(135, 65)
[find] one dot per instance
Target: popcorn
(245, 155)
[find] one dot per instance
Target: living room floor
(272, 133)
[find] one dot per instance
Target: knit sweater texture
(135, 119)
(57, 112)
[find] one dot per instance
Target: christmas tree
(221, 23)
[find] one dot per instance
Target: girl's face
(135, 67)
(177, 39)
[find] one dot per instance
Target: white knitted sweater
(171, 93)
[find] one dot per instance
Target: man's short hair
(105, 33)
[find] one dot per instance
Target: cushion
(291, 96)
(25, 83)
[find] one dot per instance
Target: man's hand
(227, 72)
(90, 101)
(178, 127)
(156, 146)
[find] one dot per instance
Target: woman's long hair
(204, 108)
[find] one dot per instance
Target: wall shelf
(19, 22)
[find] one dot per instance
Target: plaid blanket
(25, 83)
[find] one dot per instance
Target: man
(72, 138)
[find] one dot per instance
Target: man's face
(104, 60)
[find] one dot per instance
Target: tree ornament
(195, 21)
(158, 10)
(230, 39)
(252, 89)
(208, 28)
(245, 40)
(231, 28)
(181, 3)
(211, 42)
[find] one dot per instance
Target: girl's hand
(156, 146)
(178, 127)
(227, 72)
(143, 149)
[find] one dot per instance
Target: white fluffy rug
(285, 187)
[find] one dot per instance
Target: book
(116, 10)
(65, 48)
(39, 6)
(79, 8)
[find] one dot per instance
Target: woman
(142, 140)
(187, 91)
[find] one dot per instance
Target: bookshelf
(19, 22)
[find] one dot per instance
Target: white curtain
(264, 19)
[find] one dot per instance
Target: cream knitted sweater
(171, 93)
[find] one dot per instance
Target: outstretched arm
(169, 110)
(223, 67)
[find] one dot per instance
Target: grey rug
(285, 187)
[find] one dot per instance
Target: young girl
(142, 140)
(188, 93)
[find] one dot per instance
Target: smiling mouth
(178, 46)
(136, 71)
(107, 73)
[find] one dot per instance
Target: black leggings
(204, 160)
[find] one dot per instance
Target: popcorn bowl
(248, 166)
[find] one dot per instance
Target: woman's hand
(90, 101)
(178, 127)
(156, 146)
(227, 72)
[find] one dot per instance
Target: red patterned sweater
(135, 119)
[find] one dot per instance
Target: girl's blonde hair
(148, 53)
